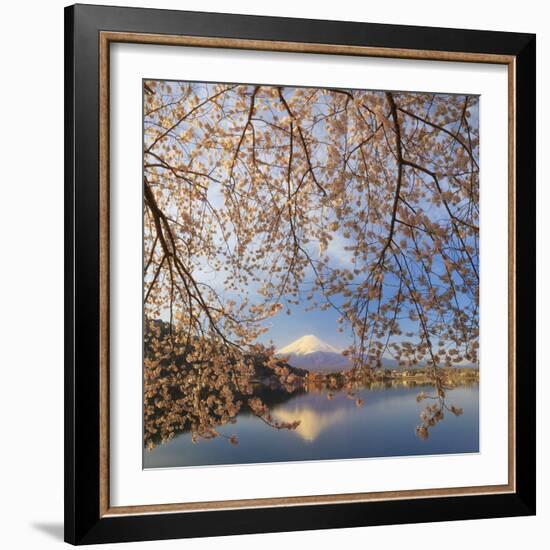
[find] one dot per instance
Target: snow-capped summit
(311, 353)
(307, 344)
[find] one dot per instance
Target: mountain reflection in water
(332, 429)
(312, 422)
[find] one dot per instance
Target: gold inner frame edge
(108, 37)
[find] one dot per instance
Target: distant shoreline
(452, 374)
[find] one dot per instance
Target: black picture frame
(84, 524)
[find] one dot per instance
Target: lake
(333, 429)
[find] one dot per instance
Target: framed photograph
(300, 274)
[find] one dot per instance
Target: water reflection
(333, 428)
(312, 422)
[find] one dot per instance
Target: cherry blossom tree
(250, 193)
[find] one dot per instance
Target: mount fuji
(311, 353)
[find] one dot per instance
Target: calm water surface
(333, 429)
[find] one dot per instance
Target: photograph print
(310, 273)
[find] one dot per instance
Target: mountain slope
(311, 353)
(307, 344)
